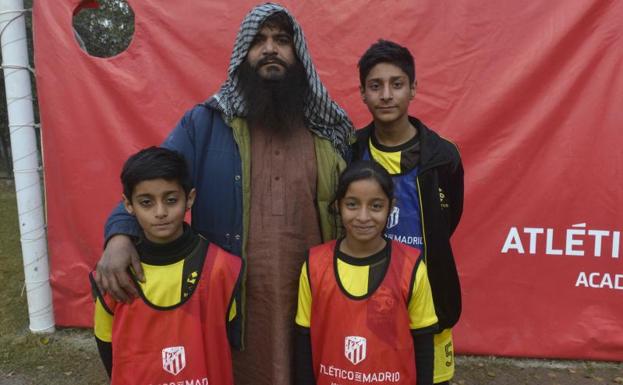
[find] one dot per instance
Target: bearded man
(264, 154)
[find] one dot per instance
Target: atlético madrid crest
(173, 359)
(355, 349)
(394, 218)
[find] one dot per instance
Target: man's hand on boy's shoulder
(112, 269)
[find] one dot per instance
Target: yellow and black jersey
(397, 160)
(361, 277)
(171, 272)
(404, 223)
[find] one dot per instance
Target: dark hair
(154, 163)
(279, 20)
(385, 51)
(361, 170)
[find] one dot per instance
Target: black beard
(276, 105)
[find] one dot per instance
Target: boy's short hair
(154, 163)
(385, 51)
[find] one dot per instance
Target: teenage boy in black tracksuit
(428, 178)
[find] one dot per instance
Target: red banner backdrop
(531, 92)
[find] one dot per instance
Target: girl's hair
(364, 169)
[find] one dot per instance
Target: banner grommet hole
(103, 28)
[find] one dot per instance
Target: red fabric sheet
(530, 91)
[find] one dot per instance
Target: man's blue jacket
(218, 157)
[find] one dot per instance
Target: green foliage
(102, 32)
(107, 30)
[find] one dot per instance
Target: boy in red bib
(177, 331)
(365, 312)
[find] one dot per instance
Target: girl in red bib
(365, 310)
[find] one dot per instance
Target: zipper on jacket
(228, 245)
(419, 195)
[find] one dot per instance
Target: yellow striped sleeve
(421, 306)
(303, 312)
(232, 311)
(102, 323)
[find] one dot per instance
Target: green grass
(67, 356)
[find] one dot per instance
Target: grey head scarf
(324, 117)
